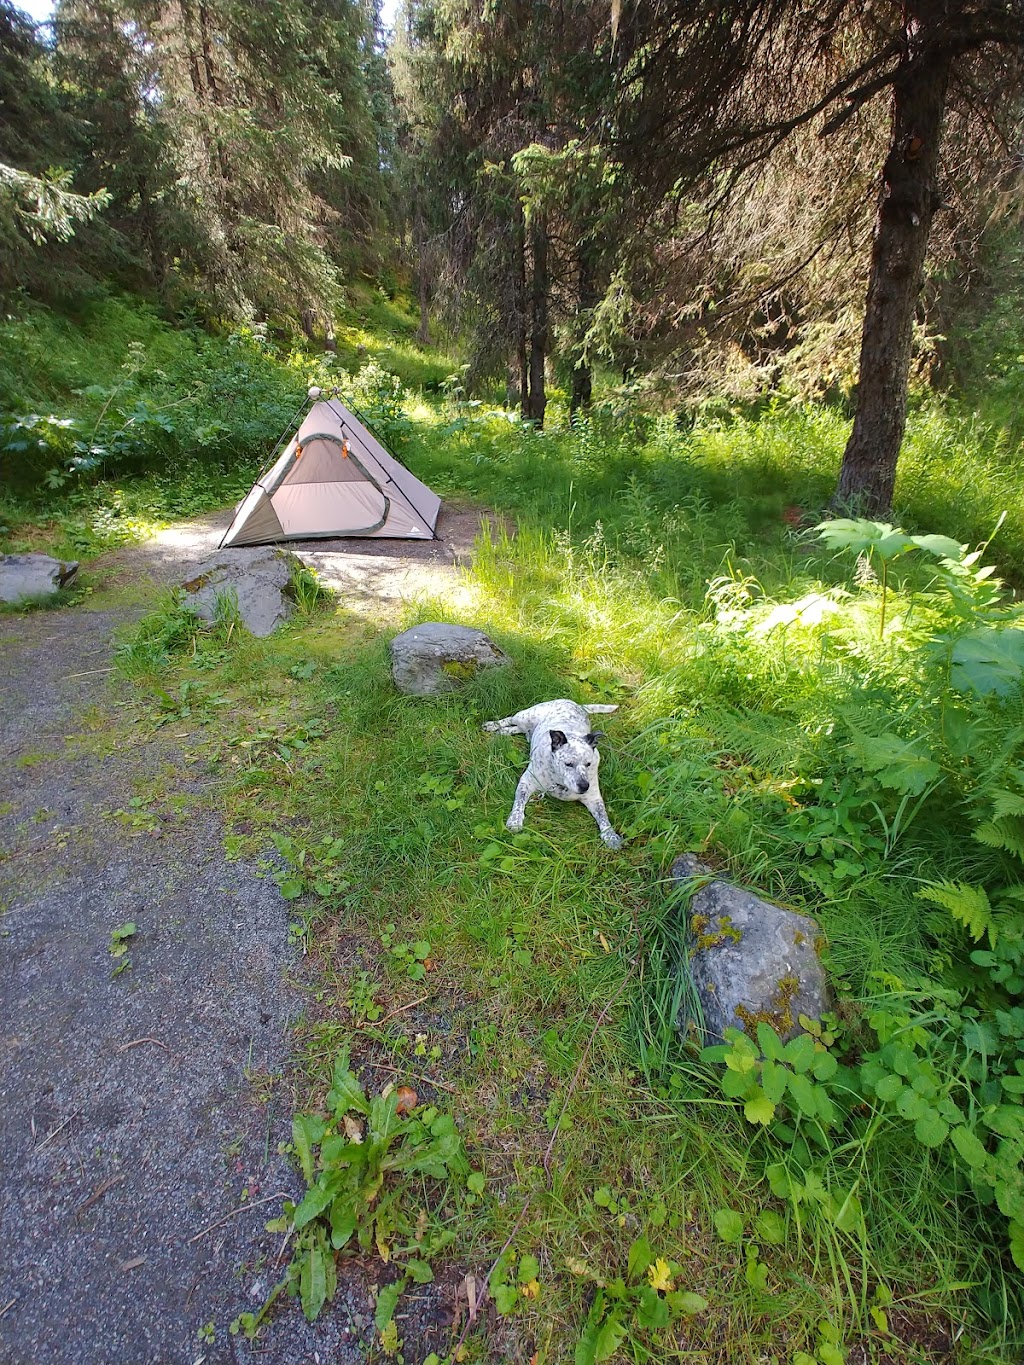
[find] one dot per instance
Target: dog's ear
(593, 737)
(557, 740)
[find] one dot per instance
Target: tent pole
(359, 415)
(307, 402)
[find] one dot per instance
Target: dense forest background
(819, 199)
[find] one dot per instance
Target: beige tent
(333, 478)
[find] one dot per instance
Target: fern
(1006, 803)
(1006, 833)
(969, 906)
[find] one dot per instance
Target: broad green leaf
(940, 546)
(969, 1147)
(344, 1221)
(759, 1110)
(799, 1052)
(313, 1279)
(988, 660)
(853, 533)
(318, 1197)
(346, 1093)
(652, 1310)
(475, 1182)
(387, 1302)
(771, 1227)
(505, 1297)
(611, 1334)
(931, 1130)
(804, 1094)
(902, 766)
(769, 1042)
(889, 1088)
(640, 1257)
(845, 1210)
(685, 1301)
(529, 1269)
(1017, 1244)
(830, 1354)
(306, 1132)
(586, 1347)
(824, 1066)
(773, 1080)
(728, 1224)
(384, 1120)
(419, 1271)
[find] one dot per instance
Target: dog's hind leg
(528, 784)
(509, 726)
(595, 805)
(597, 709)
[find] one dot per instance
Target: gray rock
(24, 576)
(256, 579)
(749, 960)
(433, 658)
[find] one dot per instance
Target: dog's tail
(597, 710)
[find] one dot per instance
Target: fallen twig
(249, 1204)
(99, 1192)
(89, 672)
(7, 1307)
(402, 1008)
(50, 1136)
(137, 1042)
(400, 1071)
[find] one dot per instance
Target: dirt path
(128, 1127)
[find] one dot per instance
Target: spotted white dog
(563, 759)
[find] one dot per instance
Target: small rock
(750, 960)
(24, 576)
(434, 658)
(258, 579)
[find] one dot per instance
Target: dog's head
(574, 760)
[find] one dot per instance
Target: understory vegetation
(490, 1075)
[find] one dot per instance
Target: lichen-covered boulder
(28, 576)
(255, 582)
(750, 961)
(433, 658)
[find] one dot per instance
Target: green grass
(651, 565)
(550, 983)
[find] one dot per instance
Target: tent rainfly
(333, 478)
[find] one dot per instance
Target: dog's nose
(583, 786)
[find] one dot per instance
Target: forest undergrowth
(833, 719)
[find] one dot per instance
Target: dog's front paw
(514, 823)
(612, 840)
(492, 726)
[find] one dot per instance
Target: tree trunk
(423, 336)
(539, 321)
(582, 373)
(521, 385)
(907, 204)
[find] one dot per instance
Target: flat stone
(434, 658)
(257, 578)
(750, 961)
(24, 576)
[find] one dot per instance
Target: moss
(779, 1015)
(700, 926)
